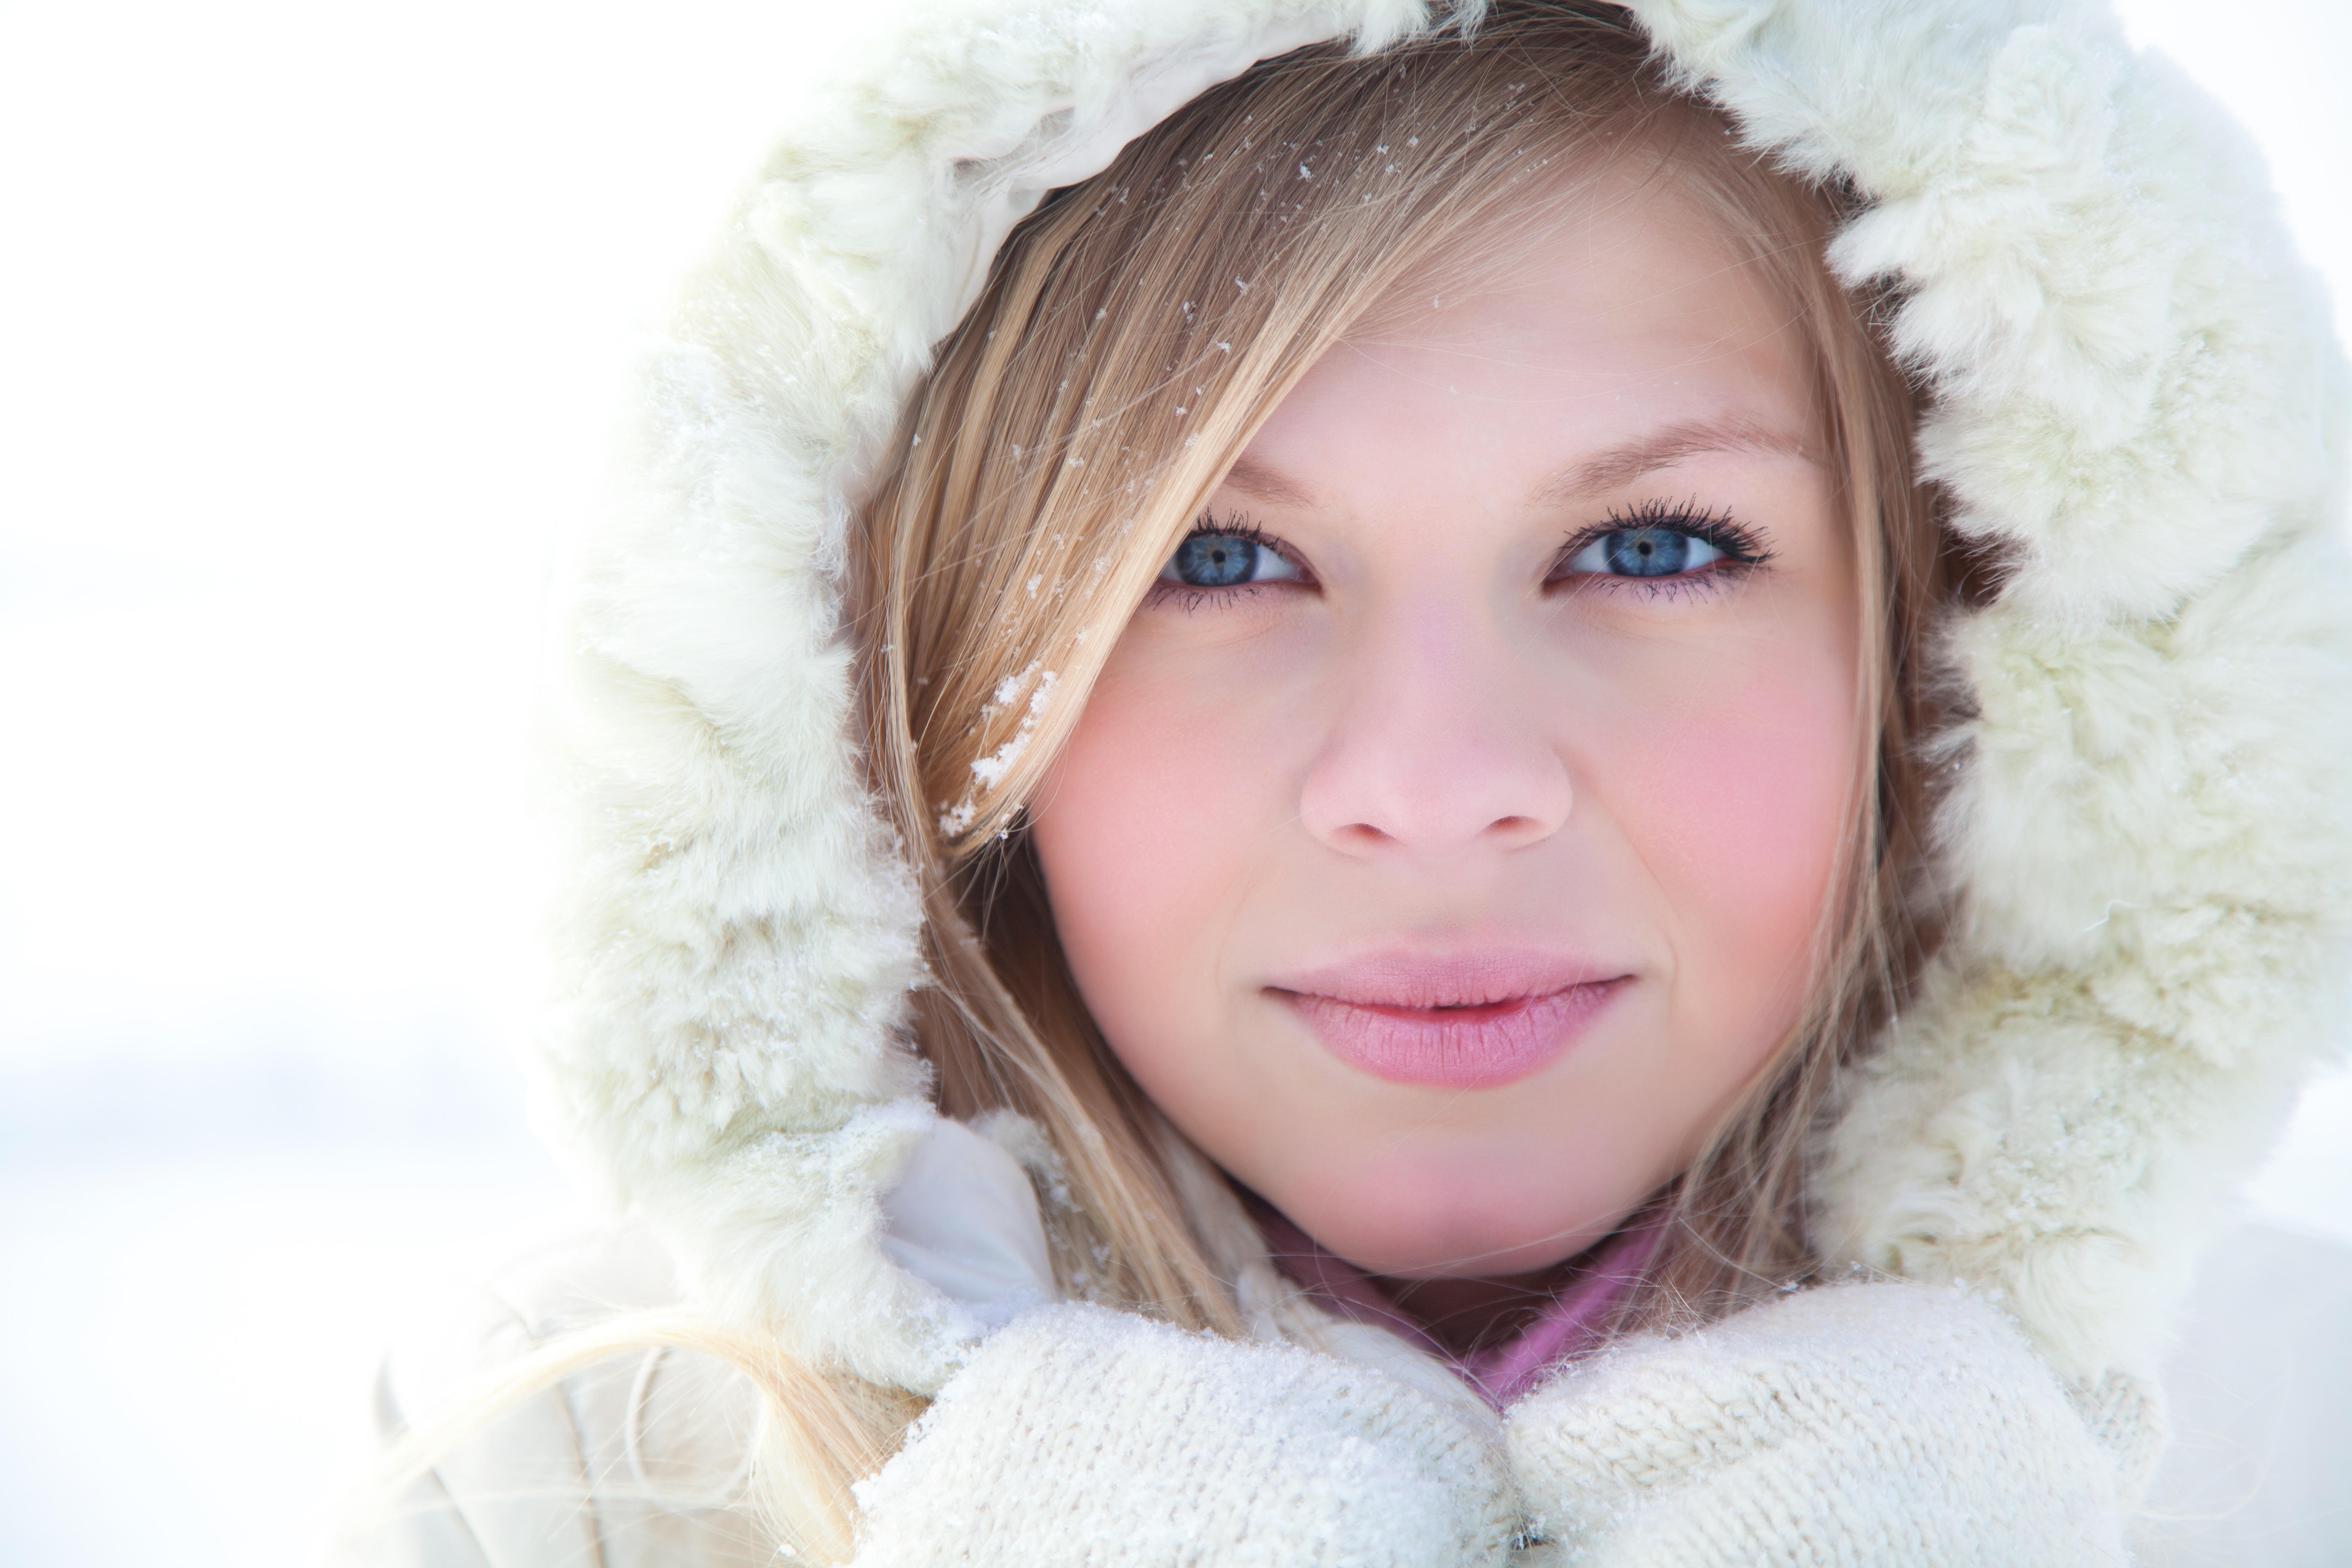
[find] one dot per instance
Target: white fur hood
(2134, 390)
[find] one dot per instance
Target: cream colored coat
(2133, 392)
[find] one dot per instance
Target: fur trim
(2133, 393)
(2132, 390)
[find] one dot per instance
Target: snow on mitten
(1079, 1435)
(1866, 1424)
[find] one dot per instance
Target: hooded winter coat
(2132, 395)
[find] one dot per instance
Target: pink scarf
(1570, 1325)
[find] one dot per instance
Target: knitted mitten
(1858, 1424)
(1078, 1435)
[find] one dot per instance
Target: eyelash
(1743, 550)
(1234, 526)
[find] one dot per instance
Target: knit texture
(1854, 1424)
(1083, 1435)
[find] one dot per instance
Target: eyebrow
(1664, 448)
(1606, 471)
(1268, 485)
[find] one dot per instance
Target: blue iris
(1647, 551)
(1215, 561)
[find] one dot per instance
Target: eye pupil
(1216, 559)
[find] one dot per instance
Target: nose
(1437, 746)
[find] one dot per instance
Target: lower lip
(1454, 1047)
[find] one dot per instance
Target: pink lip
(1475, 1022)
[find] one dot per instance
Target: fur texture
(2134, 397)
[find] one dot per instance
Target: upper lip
(1468, 979)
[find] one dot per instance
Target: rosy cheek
(1143, 833)
(1736, 804)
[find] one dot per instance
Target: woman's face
(1445, 845)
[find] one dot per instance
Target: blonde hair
(1133, 334)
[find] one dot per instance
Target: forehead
(1620, 312)
(1636, 240)
(1673, 172)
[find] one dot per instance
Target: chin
(1423, 1234)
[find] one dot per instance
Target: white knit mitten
(1077, 1434)
(1868, 1424)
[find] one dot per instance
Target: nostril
(1452, 778)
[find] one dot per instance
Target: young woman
(1357, 785)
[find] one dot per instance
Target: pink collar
(1573, 1324)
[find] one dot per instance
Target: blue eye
(1225, 561)
(1644, 553)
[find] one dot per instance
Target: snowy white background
(310, 318)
